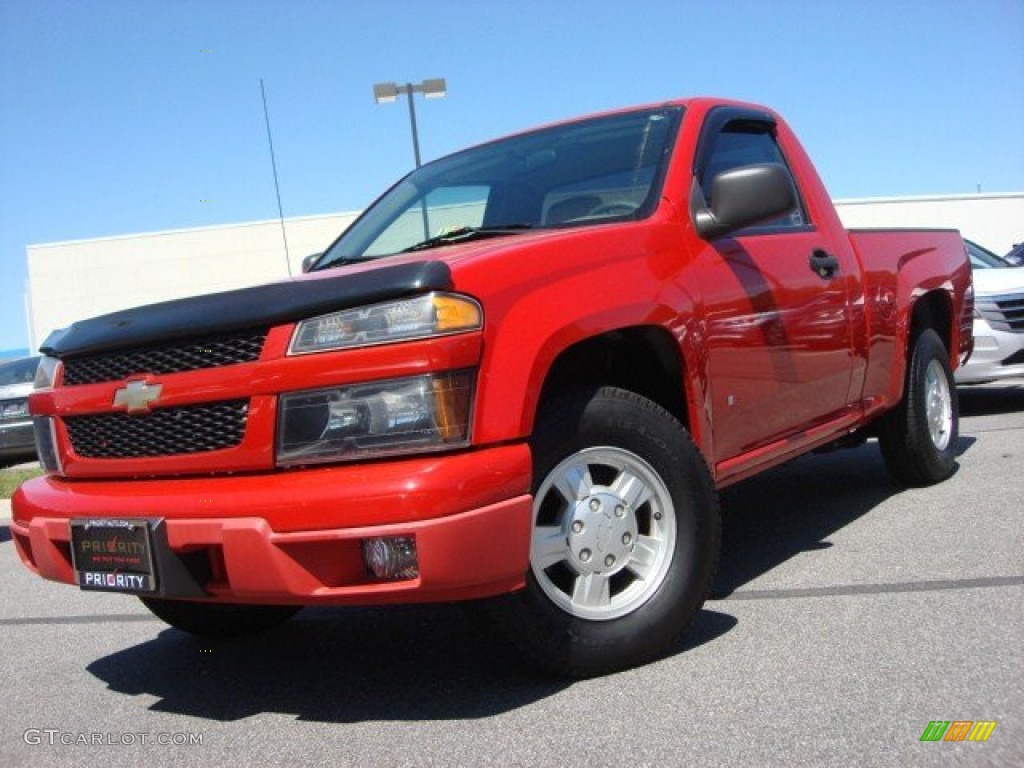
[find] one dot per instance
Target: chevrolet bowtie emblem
(137, 396)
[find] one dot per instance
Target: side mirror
(309, 261)
(742, 197)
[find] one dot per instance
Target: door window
(747, 142)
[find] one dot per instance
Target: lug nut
(584, 555)
(620, 511)
(627, 539)
(610, 560)
(577, 526)
(594, 505)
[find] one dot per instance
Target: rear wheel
(219, 619)
(918, 437)
(625, 536)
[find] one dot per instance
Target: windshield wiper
(465, 234)
(460, 235)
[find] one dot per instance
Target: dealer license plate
(113, 555)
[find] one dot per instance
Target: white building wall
(78, 279)
(995, 222)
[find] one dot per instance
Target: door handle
(824, 264)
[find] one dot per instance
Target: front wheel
(219, 619)
(918, 437)
(625, 536)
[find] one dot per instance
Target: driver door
(777, 331)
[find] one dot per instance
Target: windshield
(18, 372)
(578, 174)
(982, 258)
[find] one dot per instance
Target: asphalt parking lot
(847, 615)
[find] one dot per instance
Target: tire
(625, 538)
(219, 619)
(918, 438)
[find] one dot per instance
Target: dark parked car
(17, 442)
(1016, 255)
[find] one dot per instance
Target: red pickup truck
(518, 379)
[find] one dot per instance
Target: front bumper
(296, 537)
(997, 355)
(17, 440)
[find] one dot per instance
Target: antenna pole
(277, 188)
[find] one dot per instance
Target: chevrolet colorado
(518, 379)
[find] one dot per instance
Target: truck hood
(249, 308)
(12, 391)
(995, 282)
(297, 298)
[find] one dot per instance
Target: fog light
(391, 557)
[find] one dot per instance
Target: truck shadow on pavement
(345, 666)
(795, 508)
(433, 662)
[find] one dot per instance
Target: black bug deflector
(261, 306)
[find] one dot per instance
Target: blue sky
(123, 117)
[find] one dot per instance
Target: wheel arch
(644, 359)
(932, 310)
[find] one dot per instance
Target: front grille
(164, 432)
(14, 410)
(166, 358)
(1004, 313)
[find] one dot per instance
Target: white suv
(998, 320)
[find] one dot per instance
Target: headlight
(46, 444)
(45, 427)
(420, 413)
(432, 314)
(46, 373)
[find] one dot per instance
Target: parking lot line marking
(875, 589)
(99, 618)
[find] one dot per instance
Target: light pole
(435, 88)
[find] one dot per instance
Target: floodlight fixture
(434, 88)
